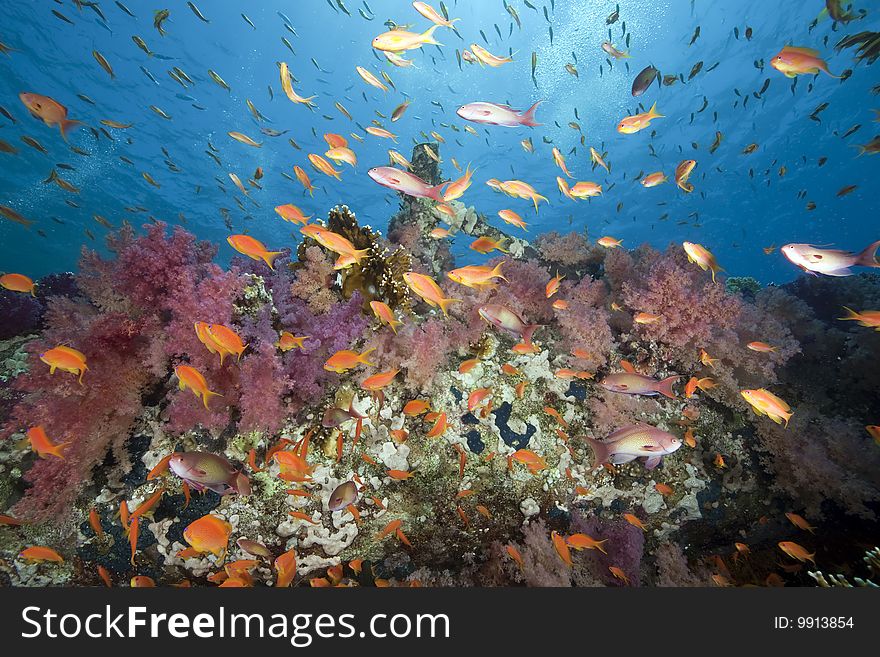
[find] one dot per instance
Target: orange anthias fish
(654, 179)
(41, 444)
(50, 111)
(552, 286)
(379, 381)
(457, 188)
(345, 360)
(796, 551)
(288, 341)
(285, 566)
(17, 283)
(226, 339)
(761, 347)
(65, 359)
(384, 314)
(584, 542)
(190, 377)
(632, 124)
(477, 276)
(476, 398)
(512, 218)
(634, 521)
(427, 288)
(700, 255)
(766, 403)
(619, 574)
(40, 553)
(304, 180)
(561, 547)
(515, 555)
(793, 61)
(254, 249)
(348, 254)
(530, 459)
(292, 214)
(867, 318)
(646, 318)
(416, 407)
(487, 245)
(208, 534)
(800, 522)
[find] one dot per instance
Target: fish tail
(528, 332)
(601, 452)
(850, 314)
(528, 117)
(868, 257)
(497, 271)
(436, 193)
(67, 124)
(359, 255)
(445, 303)
(207, 396)
(653, 113)
(363, 357)
(56, 449)
(664, 387)
(824, 67)
(269, 258)
(428, 37)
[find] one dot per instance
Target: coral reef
(489, 459)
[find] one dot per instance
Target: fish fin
(208, 394)
(67, 124)
(664, 387)
(436, 193)
(362, 358)
(55, 450)
(653, 462)
(845, 271)
(528, 117)
(868, 257)
(445, 303)
(241, 484)
(529, 331)
(429, 37)
(269, 258)
(804, 51)
(653, 113)
(850, 314)
(601, 452)
(497, 271)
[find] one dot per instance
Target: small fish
(104, 64)
(159, 18)
(198, 13)
(216, 78)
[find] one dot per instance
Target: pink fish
(631, 383)
(503, 115)
(205, 470)
(632, 442)
(498, 315)
(830, 262)
(406, 183)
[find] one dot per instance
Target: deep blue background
(737, 214)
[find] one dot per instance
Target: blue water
(730, 212)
